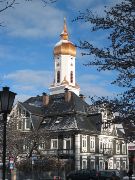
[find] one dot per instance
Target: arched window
(71, 76)
(58, 76)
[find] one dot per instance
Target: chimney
(82, 97)
(45, 99)
(67, 95)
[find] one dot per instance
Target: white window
(110, 145)
(84, 163)
(117, 164)
(92, 144)
(25, 147)
(84, 143)
(117, 148)
(101, 165)
(67, 143)
(42, 146)
(27, 123)
(92, 164)
(100, 146)
(23, 112)
(54, 143)
(124, 165)
(110, 164)
(123, 148)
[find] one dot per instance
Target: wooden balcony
(59, 152)
(107, 152)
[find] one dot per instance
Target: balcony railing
(58, 152)
(107, 151)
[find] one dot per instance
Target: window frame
(27, 119)
(92, 142)
(84, 166)
(84, 143)
(64, 143)
(117, 148)
(118, 165)
(54, 140)
(123, 148)
(92, 161)
(101, 168)
(42, 146)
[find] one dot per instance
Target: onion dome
(64, 46)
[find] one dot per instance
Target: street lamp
(6, 102)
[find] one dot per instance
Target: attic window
(58, 120)
(47, 120)
(58, 64)
(44, 122)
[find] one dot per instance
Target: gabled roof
(35, 112)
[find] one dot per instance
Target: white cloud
(27, 83)
(94, 85)
(95, 90)
(30, 78)
(89, 77)
(32, 19)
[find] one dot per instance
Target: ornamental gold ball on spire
(64, 46)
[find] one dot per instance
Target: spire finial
(65, 26)
(64, 34)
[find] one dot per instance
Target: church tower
(64, 64)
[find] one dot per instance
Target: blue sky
(27, 39)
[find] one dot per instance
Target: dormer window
(58, 120)
(58, 76)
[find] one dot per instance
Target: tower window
(71, 76)
(58, 64)
(58, 77)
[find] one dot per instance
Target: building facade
(78, 135)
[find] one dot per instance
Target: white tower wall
(64, 60)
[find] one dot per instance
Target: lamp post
(6, 102)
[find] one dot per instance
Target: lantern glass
(6, 100)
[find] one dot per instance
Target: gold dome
(64, 46)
